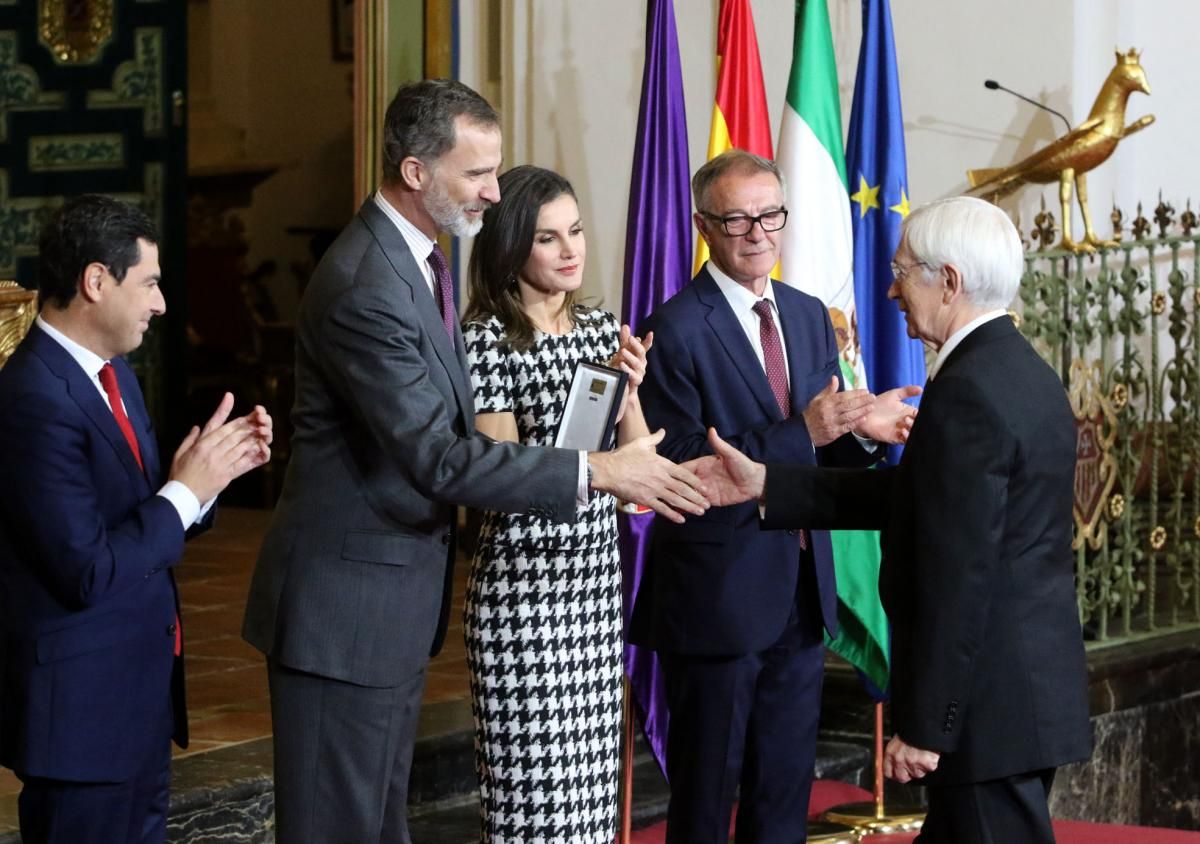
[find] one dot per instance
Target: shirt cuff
(869, 445)
(184, 501)
(581, 482)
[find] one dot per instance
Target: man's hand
(212, 456)
(729, 477)
(831, 413)
(890, 420)
(634, 472)
(903, 762)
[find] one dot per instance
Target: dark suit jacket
(353, 578)
(987, 654)
(87, 596)
(717, 584)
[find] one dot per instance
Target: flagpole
(879, 813)
(873, 817)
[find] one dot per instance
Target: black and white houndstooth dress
(543, 618)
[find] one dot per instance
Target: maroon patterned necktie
(445, 288)
(776, 369)
(773, 360)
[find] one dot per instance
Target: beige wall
(273, 74)
(573, 73)
(569, 83)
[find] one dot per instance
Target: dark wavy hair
(420, 121)
(89, 229)
(502, 247)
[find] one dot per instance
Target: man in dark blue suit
(735, 613)
(91, 524)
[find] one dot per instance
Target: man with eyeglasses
(735, 613)
(989, 677)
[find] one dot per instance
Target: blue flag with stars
(877, 173)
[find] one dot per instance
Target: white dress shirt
(181, 497)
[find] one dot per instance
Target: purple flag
(657, 259)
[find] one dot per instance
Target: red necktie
(108, 380)
(776, 368)
(445, 288)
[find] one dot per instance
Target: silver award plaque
(591, 411)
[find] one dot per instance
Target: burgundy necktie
(773, 360)
(445, 288)
(108, 380)
(776, 368)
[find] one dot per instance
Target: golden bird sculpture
(1068, 159)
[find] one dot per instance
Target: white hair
(977, 238)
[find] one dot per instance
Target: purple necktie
(773, 360)
(776, 368)
(445, 288)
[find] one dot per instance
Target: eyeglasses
(738, 225)
(899, 272)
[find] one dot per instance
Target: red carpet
(827, 793)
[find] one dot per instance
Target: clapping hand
(890, 419)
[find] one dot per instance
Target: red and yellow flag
(740, 118)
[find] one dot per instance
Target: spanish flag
(740, 118)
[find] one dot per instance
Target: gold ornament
(1158, 538)
(1116, 506)
(1158, 305)
(1068, 159)
(1119, 397)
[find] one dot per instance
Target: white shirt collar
(739, 297)
(90, 362)
(418, 243)
(960, 335)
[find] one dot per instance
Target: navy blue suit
(728, 606)
(90, 688)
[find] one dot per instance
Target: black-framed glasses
(739, 225)
(899, 271)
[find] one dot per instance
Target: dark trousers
(995, 812)
(747, 720)
(342, 758)
(131, 812)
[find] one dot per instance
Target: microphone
(993, 85)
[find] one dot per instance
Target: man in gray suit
(351, 592)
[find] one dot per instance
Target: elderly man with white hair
(989, 682)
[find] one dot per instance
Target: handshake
(635, 472)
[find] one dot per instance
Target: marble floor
(226, 678)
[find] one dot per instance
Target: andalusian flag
(740, 118)
(818, 246)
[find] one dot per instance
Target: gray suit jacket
(353, 578)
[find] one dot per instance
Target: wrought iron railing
(1122, 327)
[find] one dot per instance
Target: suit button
(171, 630)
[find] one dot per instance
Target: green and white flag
(817, 257)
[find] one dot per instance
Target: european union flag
(876, 169)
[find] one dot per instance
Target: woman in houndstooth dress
(543, 607)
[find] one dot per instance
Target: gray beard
(450, 217)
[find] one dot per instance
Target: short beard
(448, 215)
